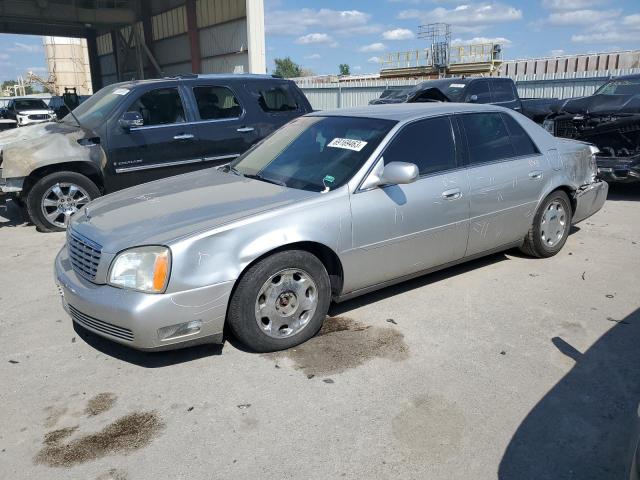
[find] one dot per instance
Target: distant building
(68, 64)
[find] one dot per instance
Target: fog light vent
(179, 330)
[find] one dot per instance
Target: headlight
(145, 269)
(548, 126)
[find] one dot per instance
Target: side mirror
(130, 120)
(398, 173)
(473, 98)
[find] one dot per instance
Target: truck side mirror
(473, 98)
(130, 120)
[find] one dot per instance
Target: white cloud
(373, 47)
(4, 56)
(557, 53)
(314, 38)
(612, 36)
(632, 21)
(468, 17)
(398, 34)
(24, 47)
(36, 69)
(374, 60)
(581, 17)
(297, 22)
(475, 40)
(571, 4)
(313, 56)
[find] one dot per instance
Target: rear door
(479, 89)
(166, 144)
(505, 172)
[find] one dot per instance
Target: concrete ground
(506, 367)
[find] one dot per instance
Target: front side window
(277, 99)
(502, 91)
(487, 137)
(314, 153)
(426, 143)
(97, 108)
(159, 107)
(522, 143)
(479, 88)
(215, 103)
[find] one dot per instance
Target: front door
(167, 144)
(403, 229)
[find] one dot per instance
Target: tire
(42, 198)
(554, 213)
(284, 302)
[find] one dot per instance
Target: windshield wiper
(264, 179)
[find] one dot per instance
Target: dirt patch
(128, 433)
(113, 474)
(100, 404)
(342, 344)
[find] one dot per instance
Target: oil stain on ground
(429, 427)
(342, 344)
(100, 404)
(128, 433)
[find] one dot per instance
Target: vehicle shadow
(624, 191)
(584, 427)
(146, 359)
(11, 215)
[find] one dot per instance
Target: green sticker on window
(329, 178)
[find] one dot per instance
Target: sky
(321, 35)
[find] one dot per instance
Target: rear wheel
(550, 227)
(54, 198)
(280, 301)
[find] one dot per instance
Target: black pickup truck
(494, 90)
(133, 132)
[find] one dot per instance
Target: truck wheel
(54, 198)
(280, 301)
(550, 228)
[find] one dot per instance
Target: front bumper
(590, 199)
(133, 318)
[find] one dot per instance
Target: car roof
(208, 76)
(627, 77)
(407, 111)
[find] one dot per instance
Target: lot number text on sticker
(349, 144)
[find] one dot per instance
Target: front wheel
(550, 228)
(54, 198)
(280, 302)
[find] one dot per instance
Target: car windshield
(29, 104)
(314, 153)
(96, 109)
(620, 87)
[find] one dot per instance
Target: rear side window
(427, 143)
(487, 137)
(502, 91)
(522, 143)
(277, 99)
(159, 107)
(480, 88)
(216, 103)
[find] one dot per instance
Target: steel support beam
(194, 39)
(94, 62)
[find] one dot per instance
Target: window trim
(185, 109)
(200, 120)
(463, 130)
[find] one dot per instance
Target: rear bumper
(590, 199)
(621, 170)
(134, 318)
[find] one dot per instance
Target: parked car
(493, 90)
(610, 119)
(333, 205)
(28, 111)
(134, 132)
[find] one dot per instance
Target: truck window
(481, 89)
(277, 99)
(215, 103)
(487, 137)
(502, 91)
(159, 107)
(522, 143)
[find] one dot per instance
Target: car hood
(433, 94)
(165, 210)
(603, 105)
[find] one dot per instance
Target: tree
(287, 68)
(344, 69)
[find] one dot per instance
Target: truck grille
(84, 254)
(565, 128)
(100, 326)
(39, 116)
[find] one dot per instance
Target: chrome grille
(100, 326)
(84, 255)
(38, 116)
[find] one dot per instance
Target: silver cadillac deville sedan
(332, 205)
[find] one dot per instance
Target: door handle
(452, 194)
(183, 136)
(245, 129)
(535, 175)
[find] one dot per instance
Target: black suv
(133, 132)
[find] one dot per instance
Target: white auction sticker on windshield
(120, 91)
(457, 85)
(347, 143)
